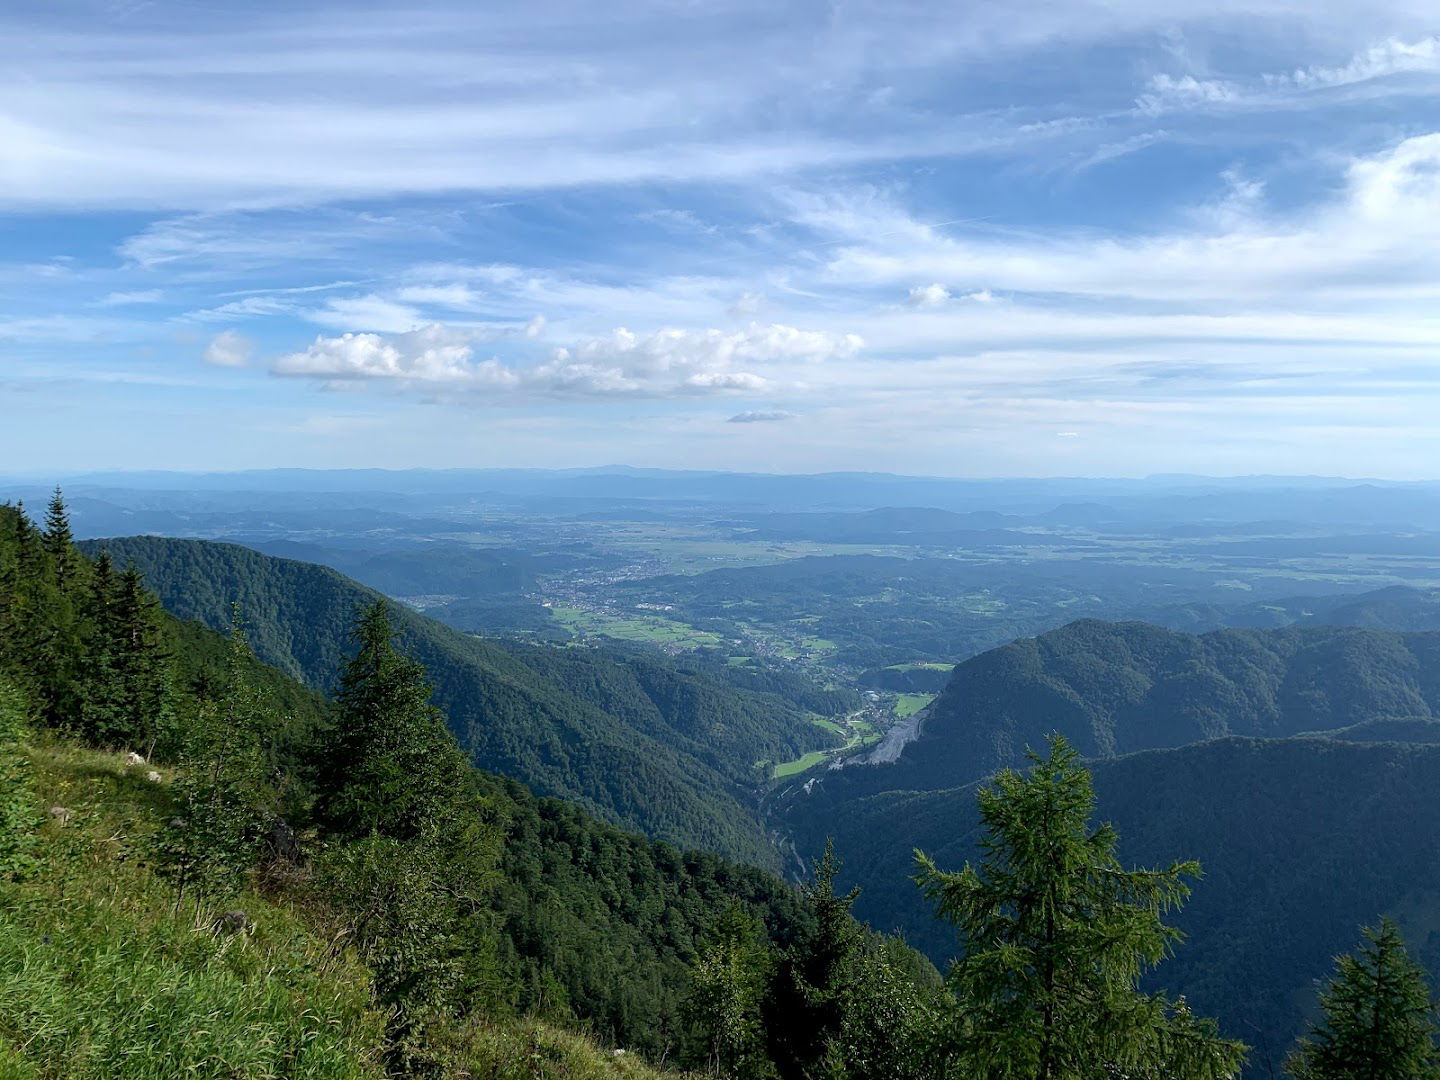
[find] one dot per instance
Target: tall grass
(104, 975)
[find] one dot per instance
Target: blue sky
(1096, 237)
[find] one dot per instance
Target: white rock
(153, 776)
(132, 758)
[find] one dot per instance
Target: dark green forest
(1114, 688)
(648, 745)
(1301, 840)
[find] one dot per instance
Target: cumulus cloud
(938, 295)
(667, 362)
(928, 295)
(760, 416)
(431, 354)
(229, 349)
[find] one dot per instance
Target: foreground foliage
(1379, 1019)
(1055, 936)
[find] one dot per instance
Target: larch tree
(1379, 1020)
(1056, 935)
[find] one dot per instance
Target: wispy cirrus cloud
(1382, 60)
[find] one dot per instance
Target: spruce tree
(46, 641)
(812, 987)
(102, 706)
(1379, 1020)
(1056, 935)
(412, 851)
(142, 665)
(60, 544)
(224, 802)
(391, 765)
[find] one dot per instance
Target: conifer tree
(102, 704)
(1056, 934)
(812, 987)
(416, 853)
(392, 764)
(224, 802)
(726, 994)
(142, 667)
(45, 642)
(60, 544)
(1379, 1020)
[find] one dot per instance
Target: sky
(1078, 237)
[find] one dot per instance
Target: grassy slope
(103, 975)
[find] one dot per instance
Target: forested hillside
(407, 916)
(643, 744)
(1112, 688)
(450, 922)
(1300, 840)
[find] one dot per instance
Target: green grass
(104, 976)
(907, 705)
(646, 628)
(800, 764)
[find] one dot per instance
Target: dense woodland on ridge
(211, 864)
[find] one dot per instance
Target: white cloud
(454, 296)
(664, 363)
(247, 308)
(747, 306)
(124, 299)
(760, 416)
(367, 313)
(1287, 89)
(192, 113)
(928, 295)
(229, 349)
(432, 354)
(936, 295)
(1386, 58)
(1378, 237)
(1166, 92)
